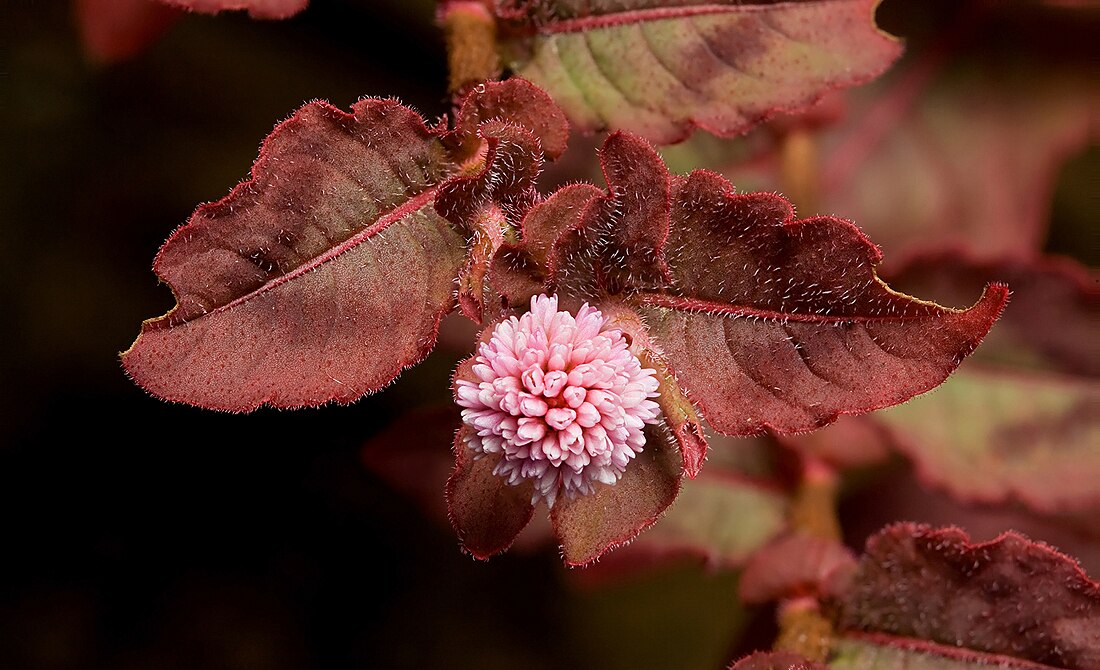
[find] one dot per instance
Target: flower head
(561, 399)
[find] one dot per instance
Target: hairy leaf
(660, 69)
(782, 324)
(588, 526)
(486, 511)
(1010, 596)
(257, 9)
(327, 272)
(517, 102)
(320, 278)
(488, 205)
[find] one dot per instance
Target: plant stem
(470, 33)
(803, 629)
(800, 169)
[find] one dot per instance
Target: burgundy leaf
(114, 30)
(776, 660)
(486, 511)
(618, 243)
(517, 102)
(1054, 323)
(782, 324)
(660, 69)
(257, 9)
(587, 526)
(521, 269)
(794, 566)
(486, 206)
(1010, 596)
(318, 279)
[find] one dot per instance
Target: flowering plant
(618, 323)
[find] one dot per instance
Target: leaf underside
(661, 69)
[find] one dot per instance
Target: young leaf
(660, 69)
(1010, 596)
(487, 205)
(782, 324)
(257, 9)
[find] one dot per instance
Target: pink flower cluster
(562, 400)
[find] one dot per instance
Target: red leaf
(1010, 596)
(776, 660)
(1054, 323)
(521, 269)
(318, 279)
(618, 242)
(326, 273)
(517, 102)
(114, 30)
(783, 324)
(587, 526)
(489, 204)
(486, 511)
(257, 9)
(660, 69)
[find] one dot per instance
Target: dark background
(138, 534)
